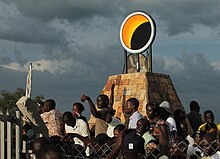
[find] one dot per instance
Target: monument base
(145, 86)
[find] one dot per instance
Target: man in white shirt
(77, 126)
(131, 107)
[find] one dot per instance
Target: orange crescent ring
(128, 27)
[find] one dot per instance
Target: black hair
(119, 127)
(26, 127)
(164, 114)
(155, 106)
(208, 112)
(179, 115)
(79, 106)
(134, 101)
(51, 102)
(102, 138)
(105, 97)
(194, 105)
(146, 123)
(67, 115)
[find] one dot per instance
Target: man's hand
(84, 97)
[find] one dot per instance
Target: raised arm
(93, 109)
(111, 99)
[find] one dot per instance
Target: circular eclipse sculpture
(137, 32)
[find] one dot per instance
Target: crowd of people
(160, 133)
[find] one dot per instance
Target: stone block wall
(145, 86)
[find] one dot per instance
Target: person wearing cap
(133, 146)
(129, 144)
(195, 118)
(166, 115)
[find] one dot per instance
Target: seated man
(78, 108)
(75, 126)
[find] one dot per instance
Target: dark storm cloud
(173, 17)
(69, 9)
(195, 72)
(19, 58)
(195, 80)
(4, 60)
(181, 16)
(26, 30)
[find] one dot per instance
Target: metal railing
(10, 137)
(11, 145)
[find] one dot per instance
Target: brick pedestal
(145, 86)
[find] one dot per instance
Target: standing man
(52, 118)
(103, 104)
(131, 107)
(195, 118)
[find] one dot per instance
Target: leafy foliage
(8, 99)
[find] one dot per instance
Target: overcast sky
(74, 46)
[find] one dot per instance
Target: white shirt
(170, 122)
(133, 120)
(111, 126)
(192, 150)
(80, 128)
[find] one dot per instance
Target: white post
(2, 152)
(18, 137)
(28, 83)
(9, 137)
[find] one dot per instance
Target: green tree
(8, 99)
